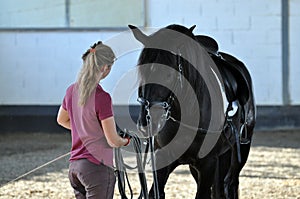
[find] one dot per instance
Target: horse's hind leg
(203, 173)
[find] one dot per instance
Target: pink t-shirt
(88, 139)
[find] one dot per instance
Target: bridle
(166, 106)
(168, 103)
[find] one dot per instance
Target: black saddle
(210, 45)
(234, 73)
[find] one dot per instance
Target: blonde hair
(90, 74)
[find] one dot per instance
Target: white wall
(74, 13)
(37, 66)
(294, 51)
(250, 30)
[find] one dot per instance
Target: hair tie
(92, 50)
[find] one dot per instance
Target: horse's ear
(192, 28)
(138, 34)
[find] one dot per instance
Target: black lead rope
(121, 167)
(121, 174)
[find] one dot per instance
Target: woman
(87, 111)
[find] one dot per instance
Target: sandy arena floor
(272, 171)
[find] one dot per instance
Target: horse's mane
(149, 55)
(181, 29)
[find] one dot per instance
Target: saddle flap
(241, 74)
(234, 73)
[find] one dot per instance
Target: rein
(121, 168)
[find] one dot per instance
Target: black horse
(198, 104)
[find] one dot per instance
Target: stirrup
(244, 139)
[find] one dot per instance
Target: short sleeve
(103, 105)
(67, 99)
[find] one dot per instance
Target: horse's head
(161, 76)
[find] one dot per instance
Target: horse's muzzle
(142, 130)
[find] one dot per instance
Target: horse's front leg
(203, 173)
(231, 181)
(162, 176)
(232, 178)
(222, 168)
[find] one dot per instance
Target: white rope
(37, 168)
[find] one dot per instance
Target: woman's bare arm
(110, 132)
(63, 118)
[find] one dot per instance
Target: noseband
(166, 105)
